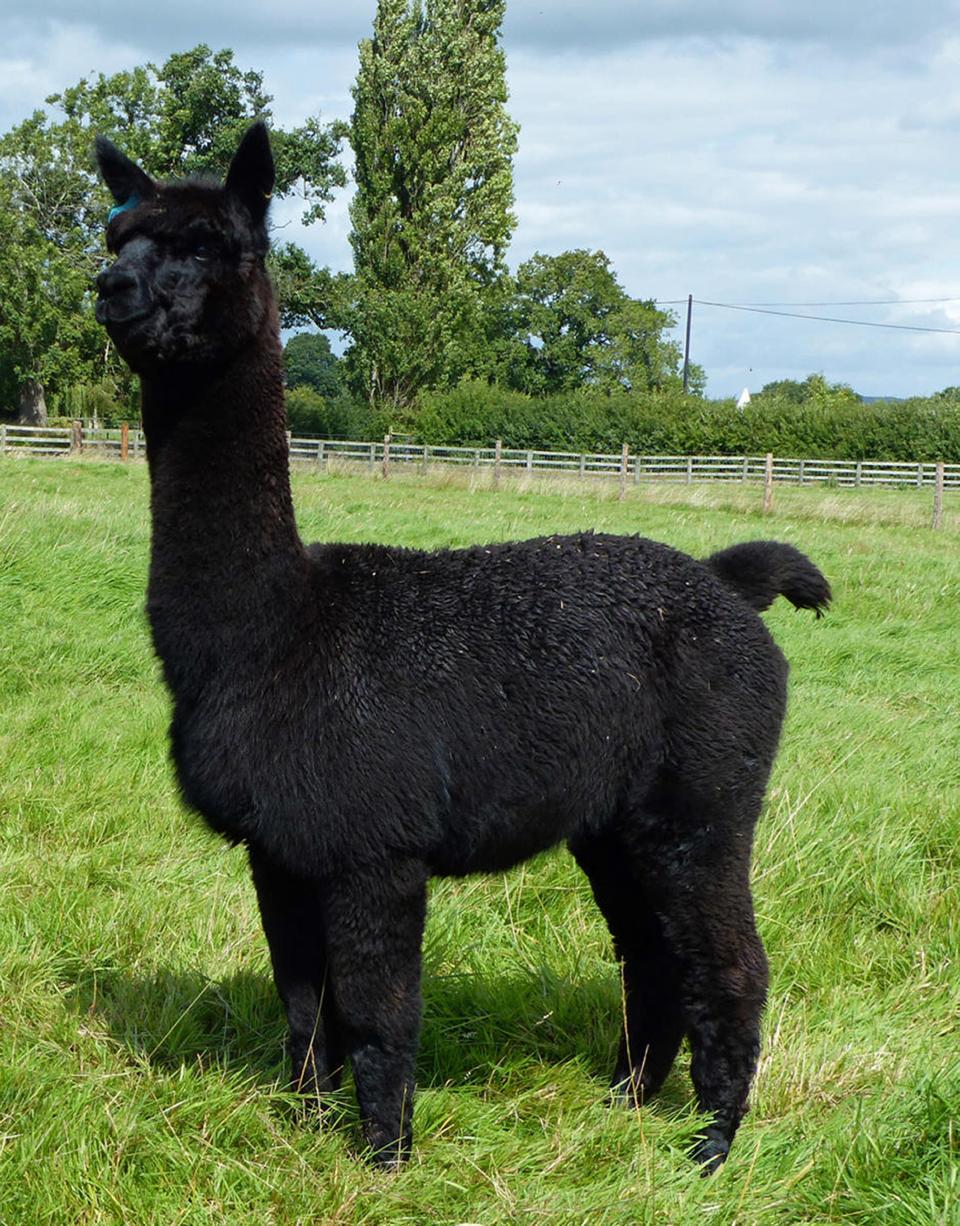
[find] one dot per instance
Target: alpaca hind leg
(726, 995)
(292, 916)
(375, 919)
(653, 1019)
(699, 885)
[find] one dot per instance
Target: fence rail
(66, 440)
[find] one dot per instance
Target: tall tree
(48, 336)
(308, 361)
(432, 212)
(181, 117)
(572, 324)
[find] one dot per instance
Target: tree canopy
(308, 361)
(814, 390)
(187, 117)
(179, 118)
(572, 324)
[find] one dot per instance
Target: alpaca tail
(760, 571)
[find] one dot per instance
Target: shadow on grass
(477, 1030)
(174, 1018)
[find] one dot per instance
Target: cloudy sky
(764, 153)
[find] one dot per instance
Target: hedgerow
(475, 414)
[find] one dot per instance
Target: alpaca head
(189, 287)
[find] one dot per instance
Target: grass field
(140, 1037)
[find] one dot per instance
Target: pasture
(140, 1044)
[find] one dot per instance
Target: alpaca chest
(232, 766)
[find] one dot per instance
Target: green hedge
(474, 414)
(332, 417)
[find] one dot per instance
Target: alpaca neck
(227, 565)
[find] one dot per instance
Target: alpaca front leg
(292, 914)
(374, 923)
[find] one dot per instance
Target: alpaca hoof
(710, 1152)
(632, 1092)
(310, 1098)
(390, 1156)
(626, 1094)
(311, 1082)
(389, 1163)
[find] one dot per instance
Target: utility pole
(686, 347)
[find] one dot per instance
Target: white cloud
(42, 57)
(611, 24)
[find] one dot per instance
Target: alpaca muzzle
(123, 290)
(122, 297)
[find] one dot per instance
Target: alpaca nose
(122, 296)
(113, 281)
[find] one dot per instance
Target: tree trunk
(33, 407)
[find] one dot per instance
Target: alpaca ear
(251, 174)
(124, 178)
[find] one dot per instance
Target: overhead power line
(830, 319)
(857, 302)
(757, 309)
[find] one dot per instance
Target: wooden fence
(71, 440)
(626, 468)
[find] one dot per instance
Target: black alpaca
(362, 717)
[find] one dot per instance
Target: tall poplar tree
(432, 213)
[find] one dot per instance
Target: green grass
(140, 1038)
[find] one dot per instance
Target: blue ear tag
(123, 208)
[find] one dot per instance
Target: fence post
(768, 484)
(76, 438)
(938, 495)
(529, 461)
(689, 470)
(124, 440)
(497, 453)
(425, 461)
(583, 466)
(624, 460)
(320, 455)
(386, 457)
(859, 475)
(746, 468)
(3, 437)
(637, 469)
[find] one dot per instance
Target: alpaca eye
(202, 253)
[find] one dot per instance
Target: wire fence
(625, 467)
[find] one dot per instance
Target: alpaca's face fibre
(188, 287)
